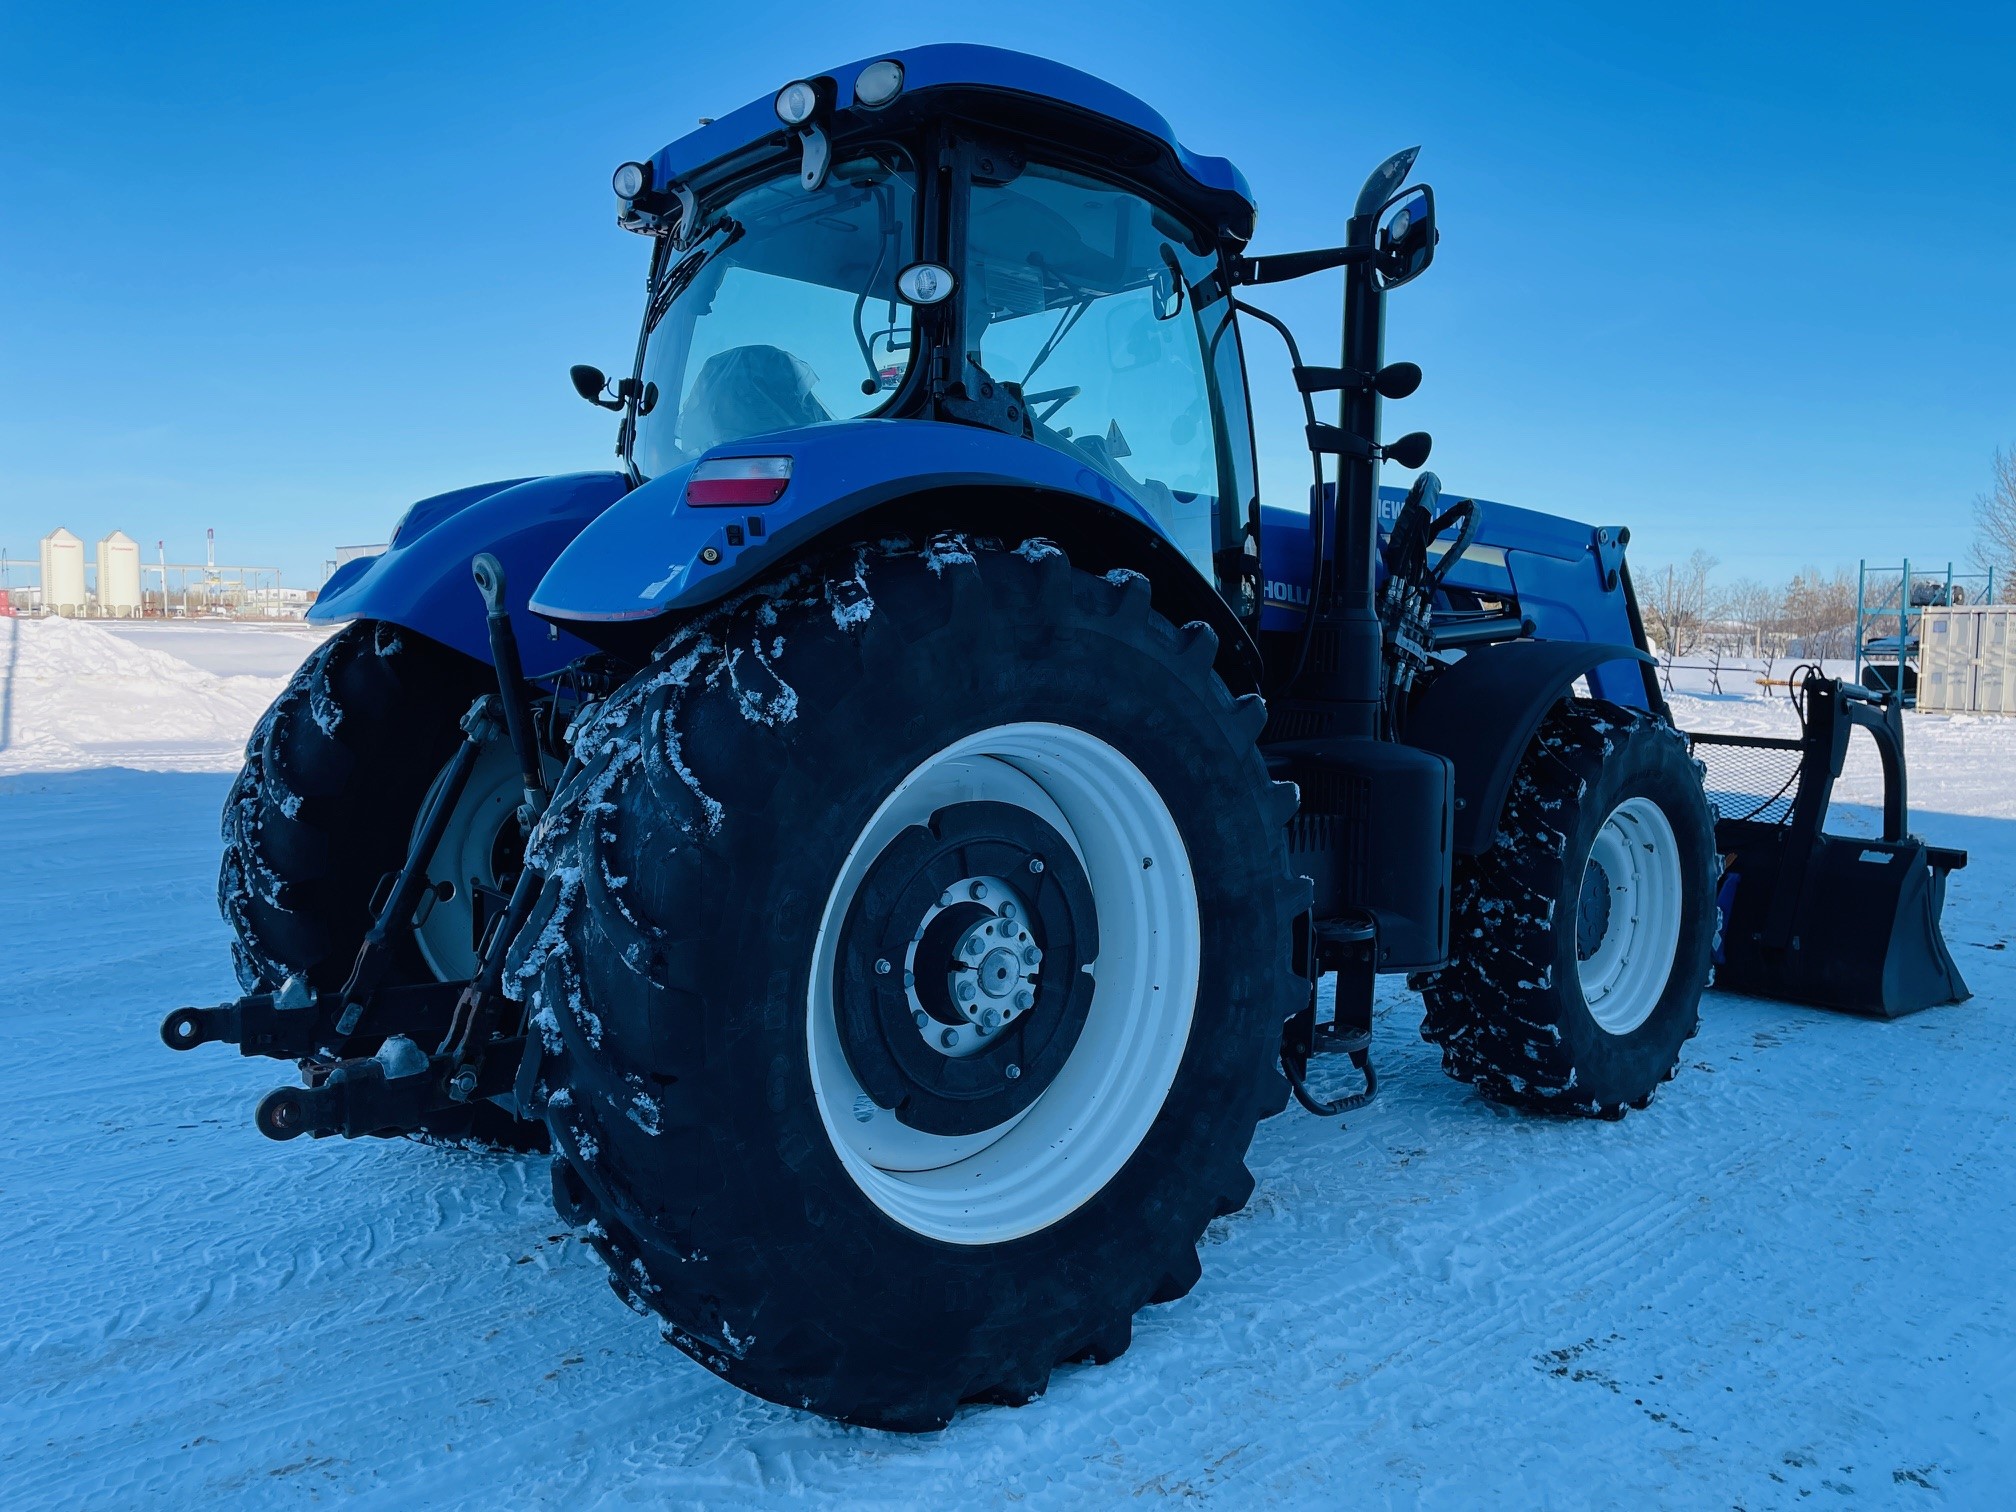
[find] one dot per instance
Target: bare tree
(1753, 607)
(1819, 613)
(1995, 522)
(1676, 602)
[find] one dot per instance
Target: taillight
(739, 480)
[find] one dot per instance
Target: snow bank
(74, 694)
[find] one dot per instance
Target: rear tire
(1581, 938)
(323, 808)
(782, 1157)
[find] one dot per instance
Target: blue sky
(1739, 277)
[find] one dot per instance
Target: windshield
(780, 312)
(1082, 293)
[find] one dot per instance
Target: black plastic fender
(1483, 712)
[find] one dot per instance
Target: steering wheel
(1056, 398)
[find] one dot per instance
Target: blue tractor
(889, 831)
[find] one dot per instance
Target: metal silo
(119, 576)
(63, 573)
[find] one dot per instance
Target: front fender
(1483, 712)
(422, 580)
(648, 554)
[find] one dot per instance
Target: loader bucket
(1827, 920)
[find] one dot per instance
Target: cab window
(1082, 293)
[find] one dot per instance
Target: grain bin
(63, 573)
(119, 576)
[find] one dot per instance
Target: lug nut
(973, 948)
(990, 1021)
(949, 1038)
(921, 1019)
(1036, 864)
(1031, 955)
(882, 968)
(1007, 910)
(979, 890)
(1024, 998)
(968, 991)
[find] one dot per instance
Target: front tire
(787, 886)
(1580, 940)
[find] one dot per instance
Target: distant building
(276, 603)
(63, 573)
(119, 576)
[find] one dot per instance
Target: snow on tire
(836, 1081)
(1580, 940)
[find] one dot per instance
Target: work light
(795, 103)
(924, 283)
(631, 180)
(879, 83)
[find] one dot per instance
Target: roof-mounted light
(748, 481)
(631, 180)
(879, 83)
(796, 102)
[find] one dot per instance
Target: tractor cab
(927, 237)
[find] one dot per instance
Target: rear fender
(422, 581)
(1483, 712)
(649, 556)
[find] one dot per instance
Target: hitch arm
(361, 1098)
(266, 1023)
(395, 918)
(489, 574)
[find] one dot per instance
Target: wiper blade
(681, 274)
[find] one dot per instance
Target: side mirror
(589, 382)
(1406, 238)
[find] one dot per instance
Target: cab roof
(1011, 90)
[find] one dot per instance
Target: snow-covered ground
(1786, 1279)
(176, 697)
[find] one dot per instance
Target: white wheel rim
(465, 855)
(1034, 1169)
(1638, 859)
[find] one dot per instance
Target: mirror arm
(1396, 380)
(1324, 380)
(1282, 266)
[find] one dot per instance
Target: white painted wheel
(482, 831)
(1037, 1167)
(1628, 915)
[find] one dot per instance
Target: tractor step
(1350, 948)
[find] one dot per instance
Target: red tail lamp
(739, 480)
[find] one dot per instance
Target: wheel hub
(1592, 910)
(958, 988)
(973, 967)
(1628, 915)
